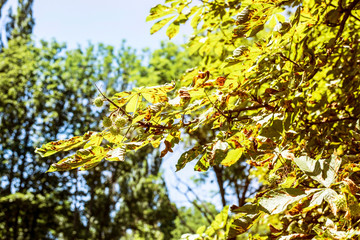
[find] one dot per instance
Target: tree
(18, 23)
(287, 105)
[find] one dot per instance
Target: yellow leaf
(133, 103)
(232, 157)
(160, 24)
(172, 30)
(280, 17)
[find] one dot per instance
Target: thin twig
(110, 101)
(288, 59)
(207, 211)
(221, 112)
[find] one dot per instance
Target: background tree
(17, 22)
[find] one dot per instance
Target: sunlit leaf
(117, 154)
(159, 11)
(61, 145)
(277, 201)
(323, 170)
(172, 30)
(158, 25)
(88, 157)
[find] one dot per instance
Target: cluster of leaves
(286, 103)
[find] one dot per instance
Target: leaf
(89, 156)
(133, 103)
(188, 156)
(88, 166)
(138, 118)
(201, 230)
(196, 19)
(157, 94)
(159, 11)
(232, 157)
(276, 201)
(172, 30)
(167, 148)
(255, 30)
(273, 130)
(280, 17)
(318, 198)
(160, 24)
(324, 170)
(203, 164)
(117, 154)
(272, 22)
(59, 146)
(245, 217)
(117, 139)
(219, 221)
(94, 140)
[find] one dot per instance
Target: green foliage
(287, 104)
(17, 22)
(191, 221)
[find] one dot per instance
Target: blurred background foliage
(46, 94)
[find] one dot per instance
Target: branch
(245, 189)
(220, 181)
(206, 212)
(110, 101)
(221, 112)
(150, 125)
(288, 59)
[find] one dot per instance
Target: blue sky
(107, 21)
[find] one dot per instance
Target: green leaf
(273, 130)
(172, 30)
(203, 164)
(94, 140)
(201, 230)
(160, 24)
(245, 217)
(219, 221)
(189, 156)
(117, 139)
(318, 198)
(138, 118)
(255, 30)
(272, 22)
(196, 19)
(280, 17)
(157, 94)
